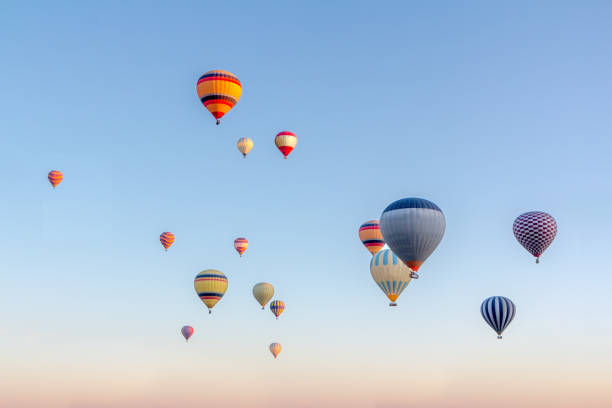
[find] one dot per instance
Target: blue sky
(487, 110)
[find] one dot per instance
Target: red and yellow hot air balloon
(166, 239)
(285, 141)
(275, 348)
(241, 244)
(219, 91)
(371, 237)
(55, 177)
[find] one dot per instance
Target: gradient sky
(487, 110)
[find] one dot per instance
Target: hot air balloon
(390, 273)
(277, 307)
(210, 285)
(219, 91)
(370, 236)
(263, 292)
(187, 332)
(55, 177)
(285, 141)
(535, 231)
(245, 145)
(275, 348)
(413, 228)
(240, 245)
(166, 239)
(498, 312)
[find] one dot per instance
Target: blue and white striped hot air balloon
(412, 228)
(498, 312)
(390, 274)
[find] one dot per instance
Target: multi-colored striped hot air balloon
(277, 307)
(370, 236)
(244, 145)
(240, 245)
(535, 231)
(210, 285)
(219, 91)
(263, 292)
(413, 228)
(285, 141)
(275, 348)
(390, 274)
(166, 239)
(187, 332)
(55, 177)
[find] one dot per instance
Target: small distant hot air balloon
(187, 332)
(498, 312)
(535, 231)
(412, 228)
(370, 236)
(55, 177)
(285, 141)
(275, 348)
(390, 274)
(244, 145)
(263, 292)
(219, 91)
(166, 239)
(210, 285)
(241, 244)
(277, 307)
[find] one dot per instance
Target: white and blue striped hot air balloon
(412, 228)
(498, 312)
(390, 274)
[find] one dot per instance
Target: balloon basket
(537, 260)
(499, 337)
(414, 275)
(209, 311)
(392, 304)
(218, 122)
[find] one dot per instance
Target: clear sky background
(487, 110)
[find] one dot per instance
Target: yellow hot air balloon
(390, 273)
(263, 292)
(245, 145)
(210, 285)
(219, 91)
(275, 348)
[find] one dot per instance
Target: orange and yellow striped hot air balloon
(285, 141)
(241, 245)
(219, 91)
(371, 237)
(275, 348)
(55, 177)
(166, 239)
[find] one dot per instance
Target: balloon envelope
(277, 307)
(285, 142)
(219, 91)
(412, 228)
(535, 231)
(263, 292)
(241, 245)
(55, 177)
(187, 332)
(210, 286)
(166, 239)
(390, 274)
(371, 237)
(275, 348)
(244, 145)
(498, 312)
